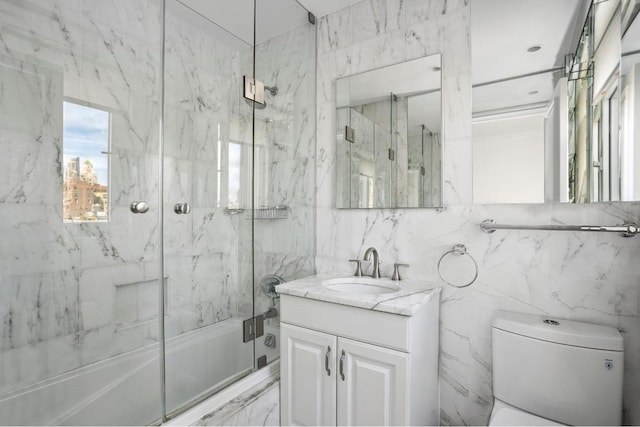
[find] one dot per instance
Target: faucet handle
(396, 270)
(358, 262)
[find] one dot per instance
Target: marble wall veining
(284, 159)
(258, 406)
(63, 284)
(77, 293)
(580, 276)
(202, 97)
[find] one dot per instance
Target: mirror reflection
(388, 136)
(630, 101)
(549, 101)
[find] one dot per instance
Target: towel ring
(458, 249)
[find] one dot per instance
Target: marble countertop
(409, 299)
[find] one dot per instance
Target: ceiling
(276, 17)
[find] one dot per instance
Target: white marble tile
(371, 18)
(213, 231)
(113, 59)
(377, 52)
(26, 158)
(264, 411)
(30, 101)
(260, 405)
(335, 31)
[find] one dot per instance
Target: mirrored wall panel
(389, 136)
(552, 117)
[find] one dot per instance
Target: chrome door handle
(342, 365)
(326, 361)
(139, 207)
(182, 208)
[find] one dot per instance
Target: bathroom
(76, 293)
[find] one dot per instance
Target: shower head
(273, 90)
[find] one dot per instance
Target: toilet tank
(565, 371)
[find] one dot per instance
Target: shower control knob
(139, 207)
(182, 208)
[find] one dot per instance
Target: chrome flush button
(551, 322)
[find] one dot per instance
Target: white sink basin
(361, 285)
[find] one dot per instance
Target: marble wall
(285, 133)
(581, 276)
(76, 293)
(202, 103)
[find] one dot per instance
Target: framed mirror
(389, 136)
(548, 102)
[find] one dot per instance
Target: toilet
(555, 372)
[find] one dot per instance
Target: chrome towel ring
(458, 249)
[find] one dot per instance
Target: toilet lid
(507, 415)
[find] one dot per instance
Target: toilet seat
(504, 414)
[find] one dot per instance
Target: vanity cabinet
(343, 365)
(333, 380)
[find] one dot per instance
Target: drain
(551, 322)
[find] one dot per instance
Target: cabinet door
(307, 377)
(374, 388)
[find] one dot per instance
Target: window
(85, 141)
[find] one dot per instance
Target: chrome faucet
(376, 263)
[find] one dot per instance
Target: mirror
(548, 108)
(630, 101)
(388, 136)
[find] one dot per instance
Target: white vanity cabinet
(332, 380)
(344, 365)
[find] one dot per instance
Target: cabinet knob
(342, 365)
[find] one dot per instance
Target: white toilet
(555, 372)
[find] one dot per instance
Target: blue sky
(86, 135)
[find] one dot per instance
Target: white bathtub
(125, 390)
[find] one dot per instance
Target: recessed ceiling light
(534, 48)
(533, 92)
(435, 68)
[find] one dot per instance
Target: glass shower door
(206, 198)
(79, 270)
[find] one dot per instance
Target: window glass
(86, 163)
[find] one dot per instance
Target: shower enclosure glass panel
(143, 198)
(207, 166)
(79, 271)
(284, 170)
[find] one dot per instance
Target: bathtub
(125, 389)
